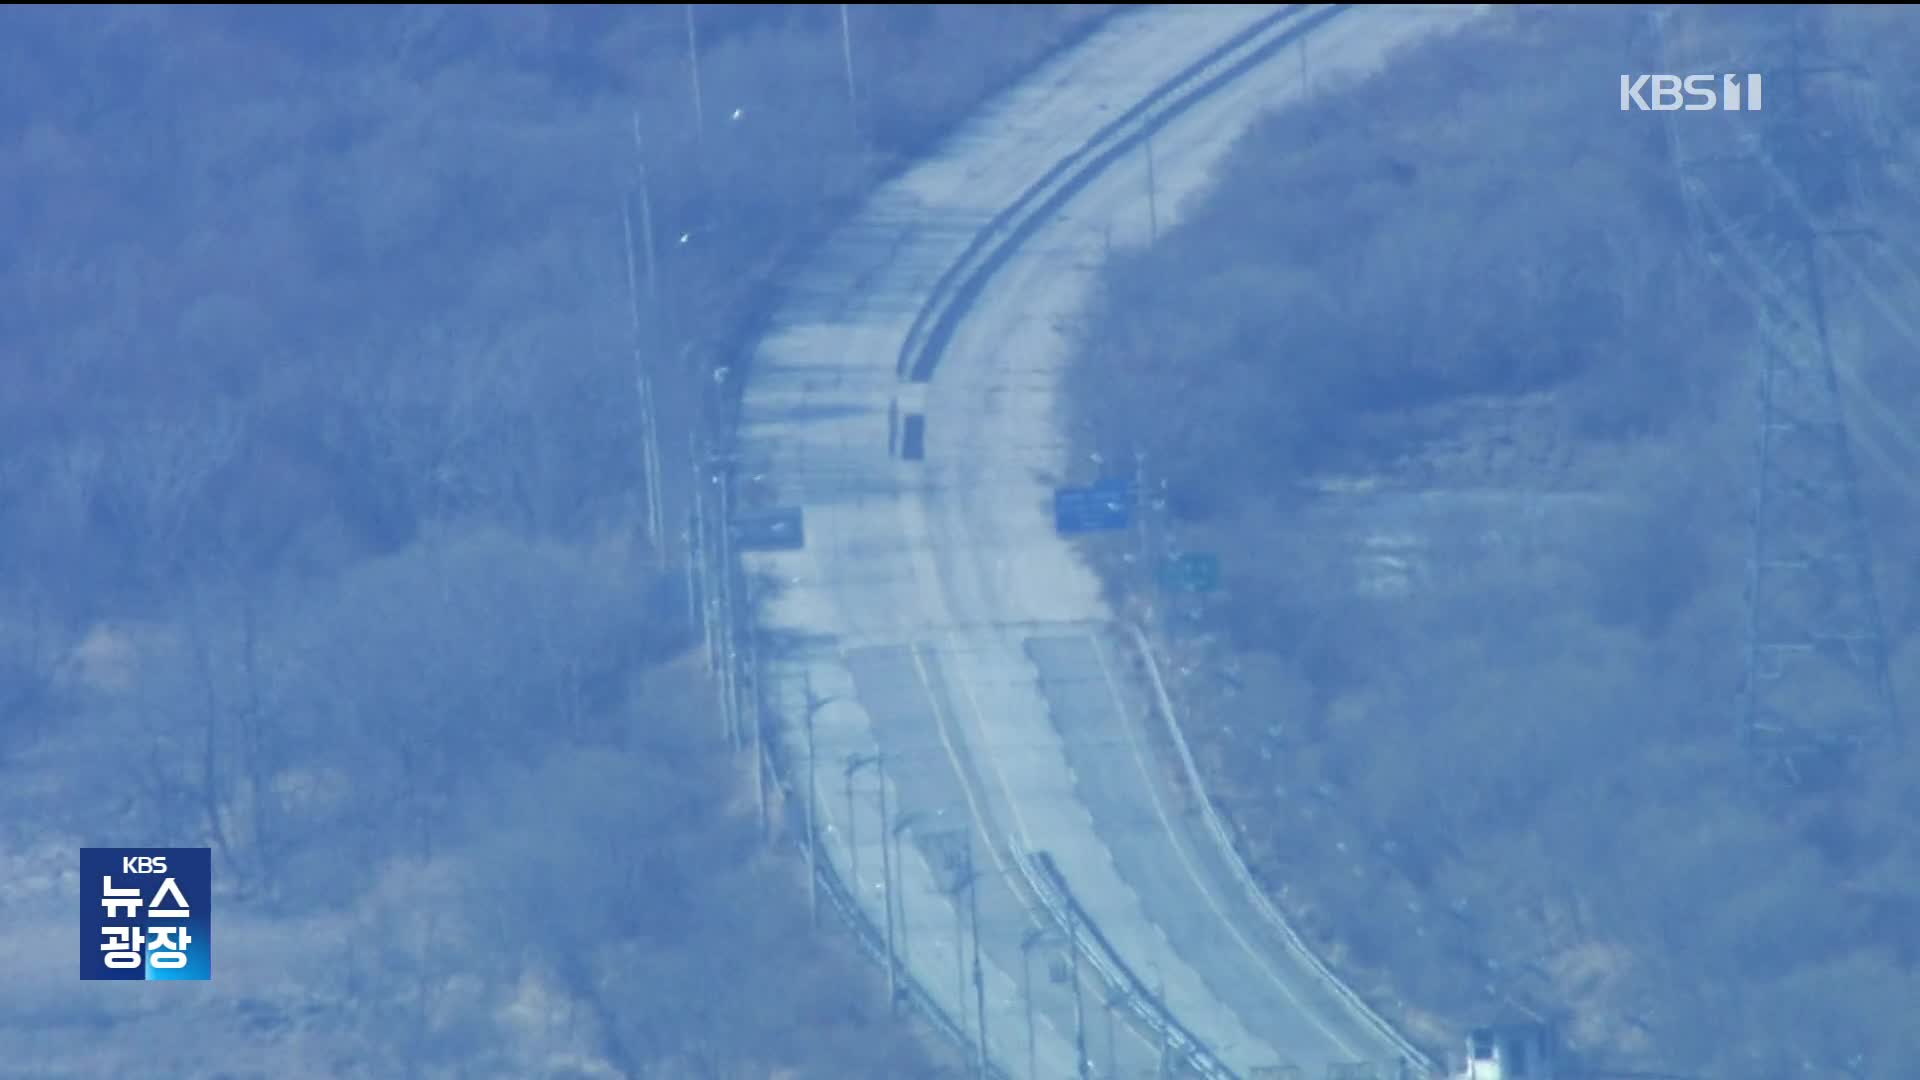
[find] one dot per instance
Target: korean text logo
(1694, 93)
(146, 914)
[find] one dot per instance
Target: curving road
(937, 620)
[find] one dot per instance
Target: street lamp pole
(1113, 1065)
(693, 560)
(846, 53)
(1141, 505)
(702, 584)
(1079, 1010)
(856, 762)
(960, 954)
(979, 983)
(965, 877)
(886, 884)
(813, 858)
(649, 424)
(751, 697)
(646, 208)
(853, 844)
(693, 60)
(1166, 1034)
(1153, 197)
(1033, 937)
(1026, 991)
(901, 823)
(717, 472)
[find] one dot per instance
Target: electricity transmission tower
(1816, 689)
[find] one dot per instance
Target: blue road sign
(1102, 506)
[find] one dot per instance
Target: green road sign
(1191, 573)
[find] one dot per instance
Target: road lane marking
(1013, 806)
(959, 943)
(993, 853)
(1186, 859)
(825, 814)
(1006, 792)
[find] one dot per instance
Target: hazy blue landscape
(320, 514)
(327, 528)
(1464, 401)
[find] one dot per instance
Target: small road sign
(1103, 506)
(1196, 573)
(779, 529)
(913, 437)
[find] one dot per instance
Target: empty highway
(938, 633)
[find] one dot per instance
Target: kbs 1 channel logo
(1691, 93)
(146, 914)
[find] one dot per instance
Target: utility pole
(693, 585)
(960, 958)
(1166, 1034)
(901, 824)
(649, 472)
(646, 211)
(979, 982)
(1141, 505)
(1079, 1010)
(814, 705)
(633, 284)
(957, 846)
(1153, 196)
(813, 858)
(846, 54)
(1027, 943)
(650, 443)
(751, 697)
(730, 676)
(643, 380)
(856, 762)
(1113, 1052)
(700, 572)
(886, 884)
(693, 61)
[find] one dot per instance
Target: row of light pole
(968, 965)
(1049, 935)
(693, 67)
(856, 762)
(1114, 998)
(965, 878)
(711, 593)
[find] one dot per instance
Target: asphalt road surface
(943, 626)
